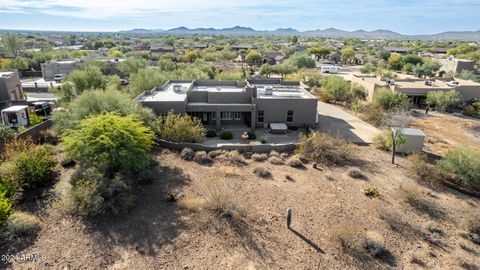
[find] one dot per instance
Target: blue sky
(406, 17)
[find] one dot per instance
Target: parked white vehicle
(329, 69)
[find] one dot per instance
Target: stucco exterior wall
(275, 111)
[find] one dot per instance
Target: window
(214, 115)
(237, 115)
(226, 115)
(289, 116)
(260, 116)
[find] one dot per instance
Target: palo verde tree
(395, 138)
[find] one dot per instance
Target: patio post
(217, 119)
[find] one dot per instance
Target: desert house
(251, 103)
(10, 88)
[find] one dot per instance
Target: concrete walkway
(337, 122)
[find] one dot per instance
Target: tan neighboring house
(53, 67)
(10, 88)
(451, 64)
(161, 50)
(417, 89)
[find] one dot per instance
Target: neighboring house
(200, 46)
(335, 57)
(240, 58)
(469, 89)
(399, 50)
(273, 58)
(415, 89)
(52, 67)
(161, 50)
(253, 103)
(456, 65)
(245, 47)
(10, 88)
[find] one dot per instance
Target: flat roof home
(451, 64)
(10, 88)
(251, 103)
(161, 49)
(245, 47)
(399, 50)
(53, 67)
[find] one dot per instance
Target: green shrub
(464, 163)
(111, 143)
(444, 100)
(5, 209)
(226, 135)
(35, 167)
(390, 100)
(34, 119)
(372, 192)
(180, 128)
(92, 194)
(470, 110)
(380, 141)
(96, 102)
(6, 134)
(7, 187)
(324, 148)
(210, 133)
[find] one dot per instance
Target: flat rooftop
(171, 92)
(221, 88)
(281, 91)
(420, 84)
(6, 74)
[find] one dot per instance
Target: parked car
(58, 78)
(42, 108)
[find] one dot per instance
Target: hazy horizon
(408, 17)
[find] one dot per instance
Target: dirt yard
(445, 131)
(160, 233)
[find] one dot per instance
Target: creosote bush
(374, 243)
(232, 157)
(295, 162)
(216, 153)
(464, 163)
(276, 160)
(324, 148)
(355, 173)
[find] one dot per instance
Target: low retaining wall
(242, 148)
(34, 132)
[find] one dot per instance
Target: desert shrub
(444, 100)
(355, 173)
(374, 243)
(187, 154)
(464, 163)
(324, 96)
(426, 173)
(380, 141)
(389, 100)
(473, 223)
(469, 110)
(295, 162)
(262, 172)
(347, 235)
(420, 202)
(96, 102)
(180, 128)
(67, 162)
(226, 135)
(210, 133)
(324, 148)
(274, 153)
(28, 164)
(21, 223)
(93, 194)
(373, 114)
(34, 119)
(372, 192)
(232, 157)
(6, 133)
(8, 187)
(202, 157)
(216, 153)
(276, 160)
(110, 143)
(259, 157)
(5, 209)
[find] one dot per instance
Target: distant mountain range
(329, 33)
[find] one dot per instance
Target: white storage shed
(15, 116)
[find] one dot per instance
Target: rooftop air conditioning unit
(428, 83)
(177, 88)
(268, 91)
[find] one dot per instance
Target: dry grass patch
(21, 223)
(202, 157)
(324, 148)
(216, 153)
(187, 154)
(259, 157)
(233, 158)
(276, 160)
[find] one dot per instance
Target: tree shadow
(306, 240)
(153, 222)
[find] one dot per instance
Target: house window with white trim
(237, 115)
(289, 116)
(226, 115)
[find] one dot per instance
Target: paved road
(336, 121)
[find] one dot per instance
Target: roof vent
(430, 83)
(177, 88)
